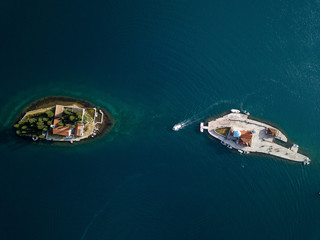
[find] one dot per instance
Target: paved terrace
(261, 142)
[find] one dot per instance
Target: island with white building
(237, 131)
(63, 119)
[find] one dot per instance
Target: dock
(257, 137)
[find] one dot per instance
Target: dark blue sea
(153, 64)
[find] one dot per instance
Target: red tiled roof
(245, 138)
(61, 130)
(56, 121)
(78, 129)
(272, 131)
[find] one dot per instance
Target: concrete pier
(261, 137)
(202, 127)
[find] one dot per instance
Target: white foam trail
(106, 204)
(183, 124)
(198, 116)
(241, 106)
(93, 219)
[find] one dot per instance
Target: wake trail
(97, 214)
(200, 115)
(105, 205)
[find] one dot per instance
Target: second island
(63, 119)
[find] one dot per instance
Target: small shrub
(32, 120)
(40, 124)
(50, 114)
(223, 131)
(60, 124)
(40, 127)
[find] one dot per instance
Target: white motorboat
(306, 161)
(240, 151)
(234, 110)
(177, 127)
(228, 146)
(246, 112)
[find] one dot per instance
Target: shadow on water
(12, 141)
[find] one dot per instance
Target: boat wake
(197, 117)
(181, 125)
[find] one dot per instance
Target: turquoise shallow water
(151, 65)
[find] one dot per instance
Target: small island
(236, 131)
(63, 119)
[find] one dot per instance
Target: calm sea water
(153, 64)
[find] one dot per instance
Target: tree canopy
(50, 114)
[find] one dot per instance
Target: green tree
(49, 123)
(45, 119)
(41, 136)
(50, 114)
(32, 120)
(16, 125)
(40, 125)
(68, 125)
(73, 126)
(45, 129)
(23, 132)
(79, 114)
(67, 112)
(24, 127)
(72, 118)
(60, 124)
(18, 132)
